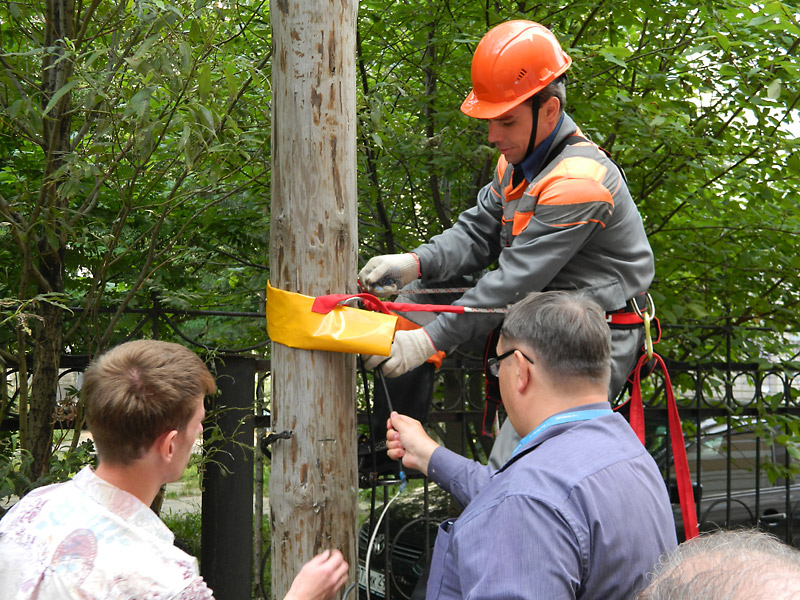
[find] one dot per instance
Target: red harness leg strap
(682, 474)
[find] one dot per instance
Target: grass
(186, 527)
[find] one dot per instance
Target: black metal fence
(740, 424)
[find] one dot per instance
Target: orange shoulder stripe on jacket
(565, 193)
(574, 167)
(522, 220)
(575, 191)
(502, 165)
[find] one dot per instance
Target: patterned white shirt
(88, 539)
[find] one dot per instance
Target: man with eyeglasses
(580, 509)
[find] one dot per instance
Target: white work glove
(409, 350)
(385, 275)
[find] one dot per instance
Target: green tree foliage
(134, 153)
(133, 164)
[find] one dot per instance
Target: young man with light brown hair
(95, 536)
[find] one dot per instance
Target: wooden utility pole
(313, 484)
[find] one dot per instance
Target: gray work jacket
(575, 226)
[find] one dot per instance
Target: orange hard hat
(512, 62)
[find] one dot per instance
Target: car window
(746, 452)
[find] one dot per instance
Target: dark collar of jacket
(535, 161)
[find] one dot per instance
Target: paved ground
(185, 502)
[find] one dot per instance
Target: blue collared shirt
(581, 512)
(533, 162)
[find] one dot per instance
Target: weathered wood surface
(313, 229)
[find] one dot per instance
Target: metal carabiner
(647, 316)
(650, 307)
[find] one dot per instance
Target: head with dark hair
(137, 391)
(567, 332)
(555, 89)
(727, 565)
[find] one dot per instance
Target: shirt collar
(593, 406)
(532, 163)
(553, 430)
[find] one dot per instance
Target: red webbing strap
(325, 304)
(682, 473)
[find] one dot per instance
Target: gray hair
(567, 331)
(728, 565)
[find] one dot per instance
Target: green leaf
(52, 239)
(722, 40)
(186, 57)
(774, 89)
(60, 92)
(139, 102)
(204, 82)
(614, 55)
(230, 79)
(756, 21)
(145, 46)
(195, 32)
(208, 118)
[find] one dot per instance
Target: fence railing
(740, 429)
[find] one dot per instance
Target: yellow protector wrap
(345, 329)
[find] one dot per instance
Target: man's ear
(551, 108)
(165, 444)
(524, 375)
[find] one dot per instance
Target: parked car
(404, 543)
(732, 457)
(401, 550)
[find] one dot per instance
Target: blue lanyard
(567, 417)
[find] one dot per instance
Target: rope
(450, 290)
(325, 304)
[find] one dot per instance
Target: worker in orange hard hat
(513, 62)
(516, 62)
(556, 216)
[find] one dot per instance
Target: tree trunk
(313, 483)
(440, 204)
(51, 236)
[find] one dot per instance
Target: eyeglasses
(493, 364)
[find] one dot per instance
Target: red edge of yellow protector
(291, 322)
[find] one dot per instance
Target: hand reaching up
(320, 578)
